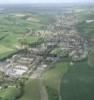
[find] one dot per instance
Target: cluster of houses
(64, 35)
(66, 39)
(24, 63)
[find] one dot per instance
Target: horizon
(45, 2)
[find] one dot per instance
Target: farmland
(31, 90)
(46, 53)
(77, 82)
(52, 79)
(15, 27)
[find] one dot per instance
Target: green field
(84, 28)
(78, 82)
(32, 90)
(52, 79)
(6, 51)
(12, 29)
(9, 93)
(15, 26)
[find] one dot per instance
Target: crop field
(6, 51)
(13, 28)
(84, 27)
(31, 90)
(77, 83)
(52, 79)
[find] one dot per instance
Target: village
(62, 37)
(47, 51)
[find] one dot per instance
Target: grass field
(14, 26)
(52, 79)
(85, 28)
(78, 83)
(5, 51)
(9, 93)
(31, 90)
(52, 76)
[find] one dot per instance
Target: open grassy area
(78, 82)
(85, 28)
(14, 26)
(5, 51)
(9, 93)
(32, 90)
(52, 76)
(52, 79)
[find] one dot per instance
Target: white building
(16, 71)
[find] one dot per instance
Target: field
(62, 80)
(77, 83)
(9, 93)
(31, 90)
(52, 79)
(15, 27)
(84, 27)
(5, 51)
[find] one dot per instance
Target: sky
(42, 1)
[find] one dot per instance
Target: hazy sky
(41, 1)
